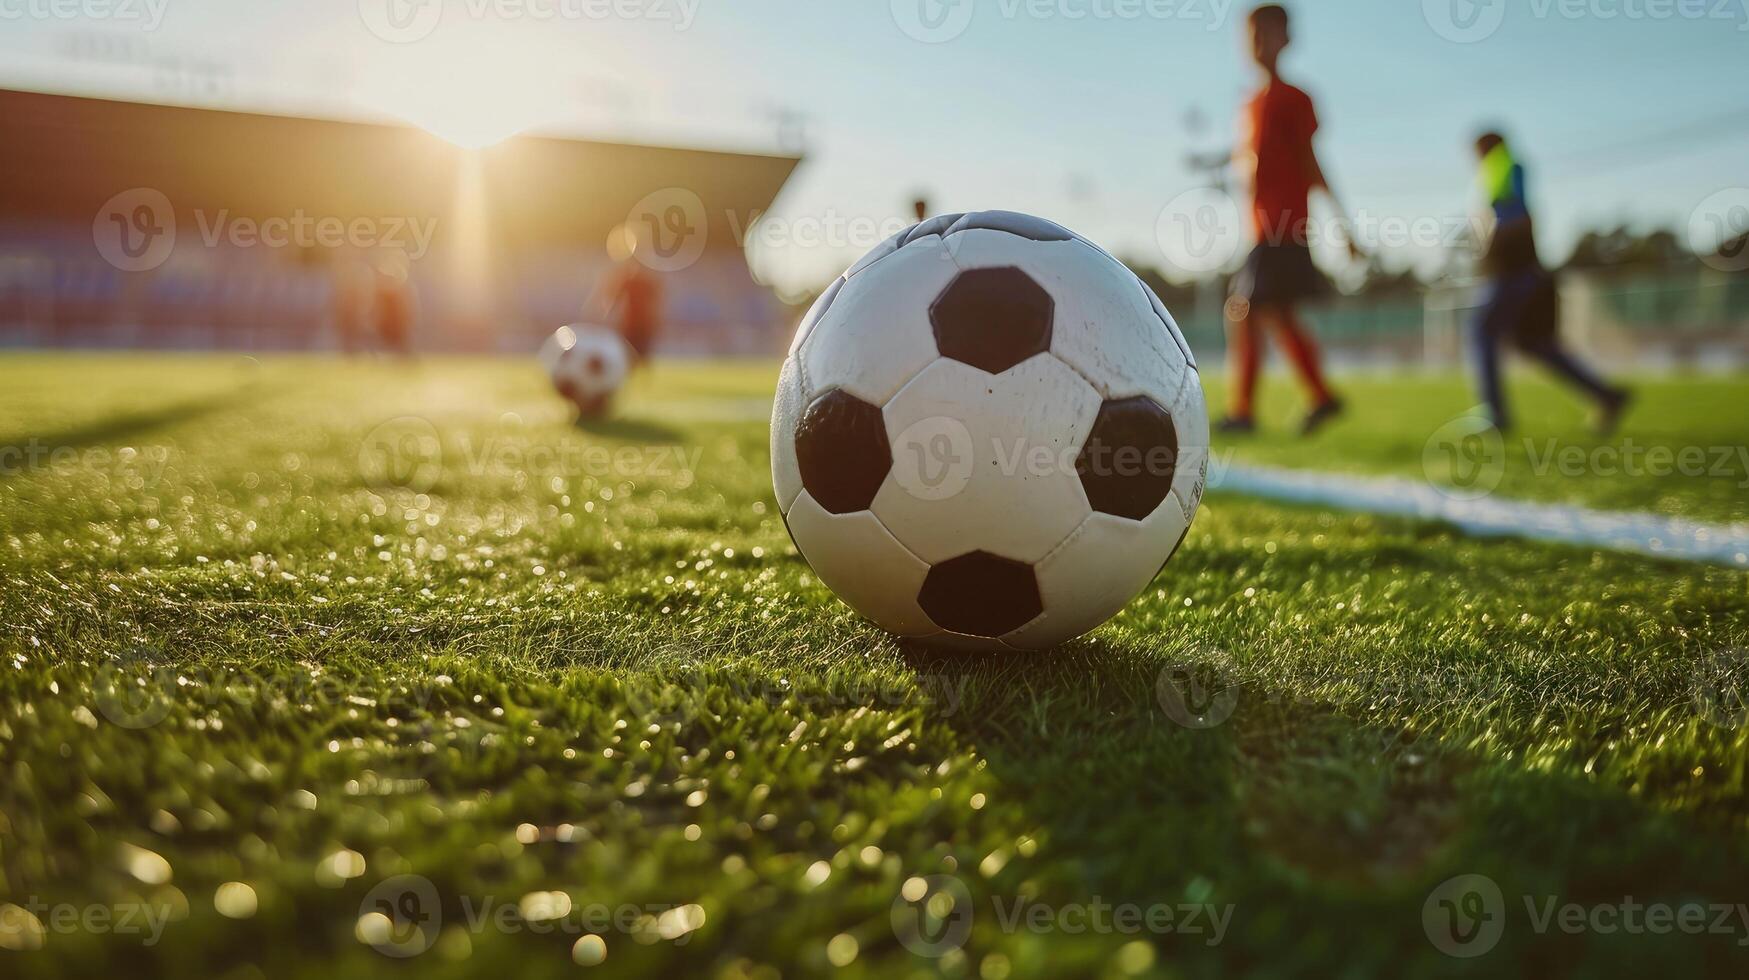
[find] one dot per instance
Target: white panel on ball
(786, 411)
(856, 558)
(876, 336)
(815, 312)
(986, 462)
(1190, 416)
(1097, 570)
(1166, 317)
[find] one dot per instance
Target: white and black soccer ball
(989, 433)
(587, 364)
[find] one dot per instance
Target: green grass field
(254, 668)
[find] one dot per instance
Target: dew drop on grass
(235, 900)
(842, 950)
(590, 950)
(817, 874)
(148, 866)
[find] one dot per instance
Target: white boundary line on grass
(1641, 532)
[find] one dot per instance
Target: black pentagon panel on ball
(1127, 464)
(981, 594)
(842, 451)
(992, 319)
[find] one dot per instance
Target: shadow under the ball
(1324, 834)
(623, 429)
(123, 426)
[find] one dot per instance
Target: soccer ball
(988, 433)
(587, 364)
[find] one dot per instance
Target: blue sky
(1075, 109)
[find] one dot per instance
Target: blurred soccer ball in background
(587, 364)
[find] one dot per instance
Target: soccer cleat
(1318, 417)
(1610, 410)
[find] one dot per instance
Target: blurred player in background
(1521, 303)
(629, 297)
(921, 207)
(1276, 158)
(394, 305)
(352, 282)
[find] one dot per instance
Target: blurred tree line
(1618, 251)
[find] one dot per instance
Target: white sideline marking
(1641, 532)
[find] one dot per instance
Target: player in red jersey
(1276, 157)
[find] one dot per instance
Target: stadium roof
(68, 155)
